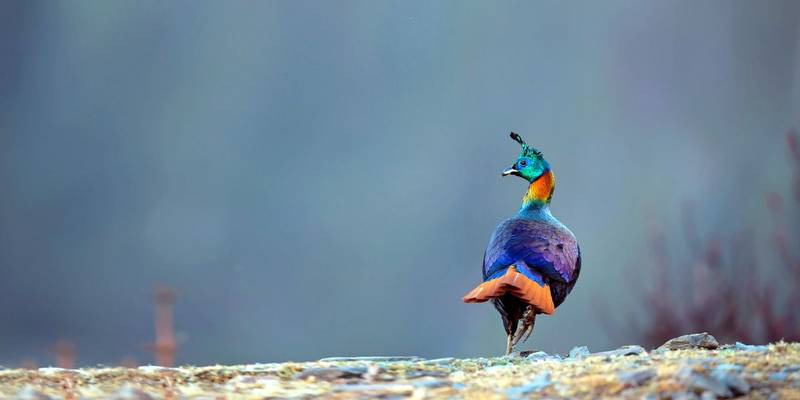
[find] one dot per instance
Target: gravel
(629, 372)
(691, 341)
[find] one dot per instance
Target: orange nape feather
(518, 285)
(541, 190)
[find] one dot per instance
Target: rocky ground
(690, 367)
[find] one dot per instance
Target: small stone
(699, 383)
(732, 381)
(129, 392)
(691, 341)
(636, 378)
(708, 396)
(778, 376)
(383, 388)
(579, 352)
(437, 361)
(791, 369)
(750, 347)
(725, 380)
(539, 355)
(54, 370)
(518, 354)
(29, 393)
(330, 374)
(729, 368)
(374, 372)
(430, 383)
(458, 376)
(258, 368)
(499, 368)
(685, 396)
(422, 373)
(155, 369)
(242, 380)
(540, 382)
(633, 350)
(371, 359)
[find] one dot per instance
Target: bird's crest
(527, 151)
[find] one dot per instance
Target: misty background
(321, 178)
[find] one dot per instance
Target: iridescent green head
(530, 165)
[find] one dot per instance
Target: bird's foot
(526, 329)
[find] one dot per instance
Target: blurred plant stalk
(725, 296)
(65, 354)
(165, 346)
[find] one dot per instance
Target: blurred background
(314, 178)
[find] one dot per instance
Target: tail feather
(518, 285)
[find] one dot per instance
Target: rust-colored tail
(518, 285)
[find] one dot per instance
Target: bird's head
(530, 165)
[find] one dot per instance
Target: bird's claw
(524, 331)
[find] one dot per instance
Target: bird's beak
(510, 171)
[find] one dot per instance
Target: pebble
(708, 396)
(725, 380)
(539, 355)
(330, 374)
(498, 368)
(750, 347)
(420, 374)
(691, 341)
(518, 354)
(579, 352)
(778, 376)
(258, 367)
(374, 372)
(29, 393)
(540, 382)
(633, 350)
(155, 369)
(381, 387)
(729, 368)
(700, 382)
(790, 369)
(242, 380)
(54, 370)
(430, 383)
(732, 380)
(129, 392)
(636, 378)
(458, 375)
(372, 359)
(435, 361)
(684, 396)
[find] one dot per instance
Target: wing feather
(547, 247)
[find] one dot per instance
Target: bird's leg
(510, 310)
(511, 327)
(524, 332)
(529, 324)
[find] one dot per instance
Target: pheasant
(532, 261)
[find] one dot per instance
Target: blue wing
(541, 250)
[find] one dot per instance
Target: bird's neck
(539, 193)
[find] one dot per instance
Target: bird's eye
(523, 163)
